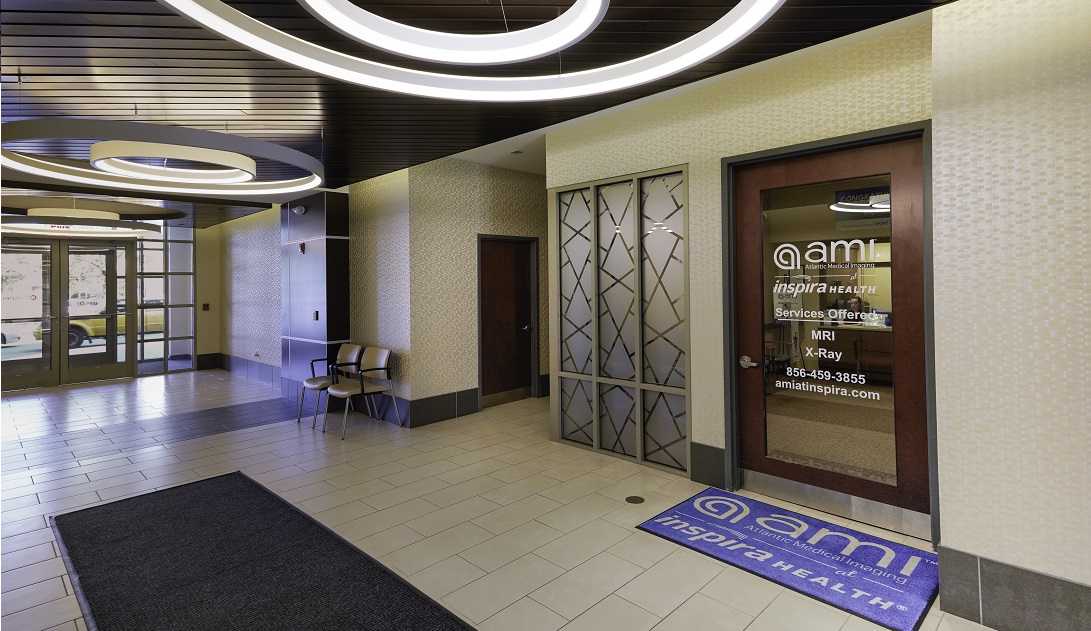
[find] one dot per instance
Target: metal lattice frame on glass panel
(630, 315)
(165, 317)
(576, 280)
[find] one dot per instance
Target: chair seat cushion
(345, 389)
(316, 383)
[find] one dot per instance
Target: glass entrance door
(64, 312)
(830, 322)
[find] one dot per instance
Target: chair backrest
(349, 354)
(375, 357)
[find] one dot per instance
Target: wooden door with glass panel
(830, 290)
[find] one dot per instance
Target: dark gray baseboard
(543, 386)
(1009, 598)
(706, 465)
(251, 369)
(443, 407)
(207, 361)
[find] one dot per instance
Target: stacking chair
(347, 362)
(372, 378)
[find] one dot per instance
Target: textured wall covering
(794, 99)
(206, 288)
(1011, 129)
(250, 286)
(379, 275)
(452, 201)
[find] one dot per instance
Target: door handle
(746, 362)
(525, 327)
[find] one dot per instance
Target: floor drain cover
(634, 499)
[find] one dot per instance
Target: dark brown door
(508, 288)
(830, 289)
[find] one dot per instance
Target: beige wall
(206, 243)
(250, 287)
(794, 99)
(379, 275)
(414, 258)
(1011, 205)
(451, 202)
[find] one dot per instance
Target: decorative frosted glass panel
(576, 281)
(617, 276)
(618, 420)
(664, 279)
(665, 429)
(577, 413)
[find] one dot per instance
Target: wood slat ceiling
(137, 60)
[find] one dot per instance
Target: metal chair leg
(317, 396)
(345, 422)
(326, 414)
(394, 402)
(370, 405)
(302, 395)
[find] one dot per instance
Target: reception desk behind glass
(865, 349)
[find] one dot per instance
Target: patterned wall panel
(379, 274)
(451, 201)
(617, 281)
(665, 429)
(250, 284)
(1011, 220)
(576, 280)
(792, 99)
(577, 411)
(664, 279)
(617, 423)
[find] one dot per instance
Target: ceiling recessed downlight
(739, 22)
(454, 48)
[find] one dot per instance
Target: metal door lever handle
(746, 362)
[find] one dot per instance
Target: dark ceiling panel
(137, 60)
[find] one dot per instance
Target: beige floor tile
(707, 614)
(432, 469)
(387, 541)
(632, 515)
(14, 600)
(742, 590)
(503, 549)
(579, 589)
(379, 521)
(415, 557)
(401, 494)
(463, 491)
(613, 614)
(671, 582)
(515, 514)
(583, 543)
(340, 497)
(582, 486)
(30, 574)
(789, 612)
(855, 623)
(524, 615)
(580, 512)
(954, 623)
(27, 539)
(643, 549)
(44, 616)
(343, 514)
(451, 516)
(312, 477)
(446, 576)
(640, 485)
(498, 590)
(27, 556)
(513, 492)
(468, 472)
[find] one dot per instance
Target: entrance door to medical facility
(830, 321)
(508, 308)
(64, 311)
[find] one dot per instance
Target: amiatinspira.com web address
(827, 390)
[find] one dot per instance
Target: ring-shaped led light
(455, 48)
(79, 172)
(111, 156)
(74, 226)
(81, 213)
(739, 22)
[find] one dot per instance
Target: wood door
(507, 309)
(831, 314)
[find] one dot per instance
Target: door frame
(61, 373)
(535, 369)
(733, 474)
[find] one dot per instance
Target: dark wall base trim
(249, 368)
(207, 361)
(1010, 598)
(543, 386)
(706, 465)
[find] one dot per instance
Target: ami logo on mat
(802, 535)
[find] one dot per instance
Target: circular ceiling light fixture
(145, 140)
(217, 16)
(116, 156)
(455, 48)
(875, 204)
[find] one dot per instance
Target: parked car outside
(83, 329)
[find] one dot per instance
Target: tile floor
(484, 513)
